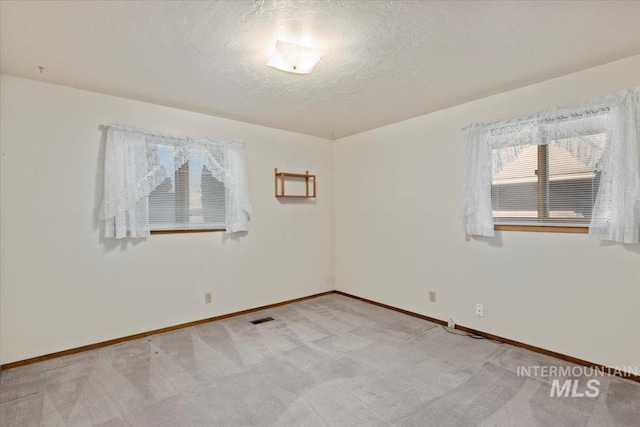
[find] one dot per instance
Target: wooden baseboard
(390, 307)
(533, 348)
(265, 307)
(148, 333)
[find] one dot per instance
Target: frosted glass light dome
(294, 58)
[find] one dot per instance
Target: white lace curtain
(133, 169)
(616, 212)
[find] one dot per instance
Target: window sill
(208, 230)
(542, 228)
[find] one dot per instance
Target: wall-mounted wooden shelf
(310, 190)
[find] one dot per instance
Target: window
(189, 199)
(547, 185)
(155, 181)
(574, 167)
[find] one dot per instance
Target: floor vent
(266, 319)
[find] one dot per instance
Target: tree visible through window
(191, 199)
(546, 184)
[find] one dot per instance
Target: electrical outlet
(480, 310)
(207, 298)
(432, 296)
(451, 324)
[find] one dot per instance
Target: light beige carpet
(328, 361)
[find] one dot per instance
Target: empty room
(319, 213)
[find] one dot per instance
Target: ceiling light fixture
(294, 58)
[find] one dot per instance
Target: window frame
(182, 205)
(542, 173)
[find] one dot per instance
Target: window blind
(548, 185)
(576, 165)
(189, 199)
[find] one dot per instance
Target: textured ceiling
(386, 61)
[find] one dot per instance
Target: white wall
(398, 235)
(62, 287)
